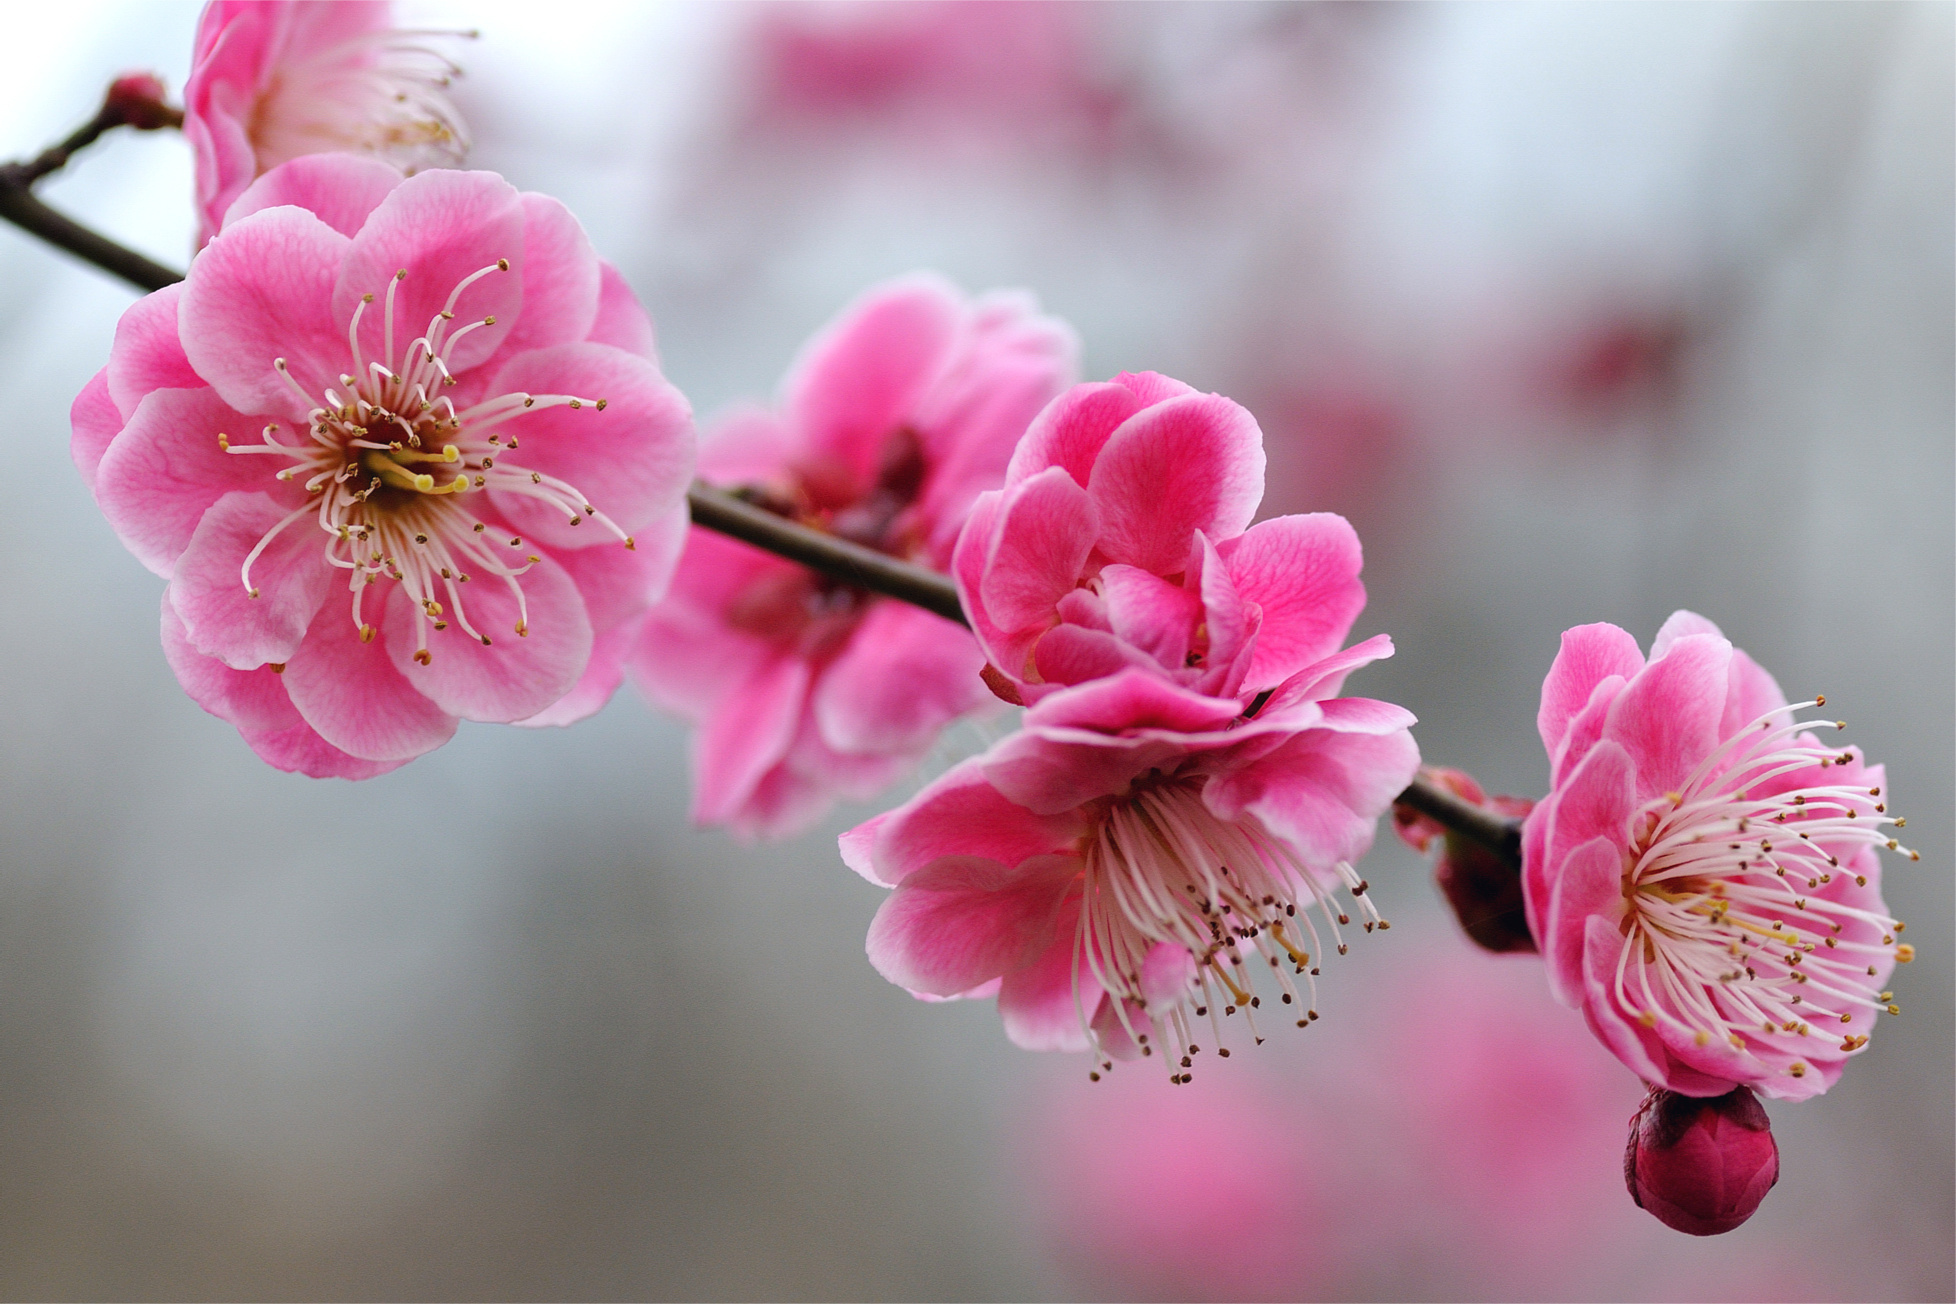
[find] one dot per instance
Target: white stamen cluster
(383, 93)
(1160, 867)
(1728, 935)
(370, 462)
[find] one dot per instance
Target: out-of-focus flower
(892, 422)
(1122, 538)
(1702, 876)
(402, 390)
(1483, 889)
(276, 79)
(1121, 869)
(1700, 1165)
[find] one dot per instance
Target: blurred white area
(1581, 312)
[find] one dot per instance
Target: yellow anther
(422, 656)
(1905, 953)
(367, 633)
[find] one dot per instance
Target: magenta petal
(165, 470)
(440, 227)
(746, 738)
(1324, 678)
(1589, 655)
(1364, 715)
(1667, 718)
(95, 422)
(350, 692)
(147, 353)
(263, 290)
(1151, 387)
(1010, 651)
(1192, 463)
(1322, 792)
(904, 675)
(290, 577)
(1071, 431)
(1134, 699)
(1588, 883)
(746, 445)
(1585, 731)
(856, 382)
(341, 190)
(1148, 613)
(632, 460)
(1073, 654)
(562, 279)
(1041, 1005)
(1233, 625)
(1303, 572)
(622, 321)
(961, 813)
(618, 584)
(858, 847)
(515, 674)
(965, 920)
(1041, 537)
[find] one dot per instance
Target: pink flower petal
(1192, 463)
(1232, 624)
(747, 445)
(1637, 1046)
(440, 227)
(1151, 387)
(1040, 1005)
(513, 676)
(904, 675)
(1667, 718)
(1303, 572)
(1681, 624)
(606, 670)
(147, 353)
(253, 700)
(1327, 677)
(632, 460)
(1590, 882)
(964, 920)
(165, 470)
(1072, 655)
(1149, 614)
(351, 694)
(262, 290)
(1750, 692)
(95, 422)
(1133, 699)
(1071, 431)
(1321, 792)
(300, 750)
(622, 321)
(1589, 655)
(858, 847)
(1586, 730)
(747, 737)
(1043, 531)
(223, 618)
(341, 190)
(562, 279)
(963, 814)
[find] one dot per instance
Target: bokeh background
(1580, 312)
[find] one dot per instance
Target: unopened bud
(136, 100)
(1483, 888)
(1700, 1164)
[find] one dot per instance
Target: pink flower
(1120, 870)
(1122, 538)
(441, 369)
(1700, 1165)
(893, 420)
(276, 79)
(1702, 876)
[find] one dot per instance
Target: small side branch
(19, 205)
(1495, 832)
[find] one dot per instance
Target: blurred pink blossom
(276, 79)
(893, 421)
(1702, 876)
(1122, 538)
(396, 342)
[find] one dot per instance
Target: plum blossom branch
(712, 509)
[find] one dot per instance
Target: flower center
(382, 93)
(387, 461)
(1728, 935)
(1162, 868)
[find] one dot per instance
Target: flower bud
(1483, 889)
(1700, 1164)
(136, 100)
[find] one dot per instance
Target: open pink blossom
(1121, 870)
(892, 422)
(404, 454)
(1702, 876)
(1122, 538)
(276, 79)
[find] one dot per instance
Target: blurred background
(1580, 313)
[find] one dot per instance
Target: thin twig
(19, 205)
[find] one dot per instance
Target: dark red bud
(136, 100)
(1700, 1164)
(1483, 889)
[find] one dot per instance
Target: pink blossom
(276, 79)
(1121, 869)
(368, 393)
(1702, 876)
(893, 420)
(1700, 1165)
(1122, 538)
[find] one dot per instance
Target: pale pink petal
(1589, 881)
(1070, 432)
(963, 920)
(1667, 718)
(688, 661)
(618, 584)
(165, 470)
(94, 422)
(904, 675)
(632, 460)
(1151, 387)
(606, 670)
(1595, 801)
(440, 227)
(1148, 613)
(1364, 715)
(1192, 463)
(536, 650)
(263, 290)
(1585, 730)
(147, 353)
(1634, 1044)
(253, 700)
(290, 577)
(1087, 609)
(622, 321)
(984, 991)
(1589, 655)
(858, 847)
(300, 750)
(1166, 975)
(961, 813)
(1681, 624)
(747, 445)
(1750, 692)
(1303, 572)
(562, 279)
(341, 190)
(747, 737)
(1046, 1006)
(349, 691)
